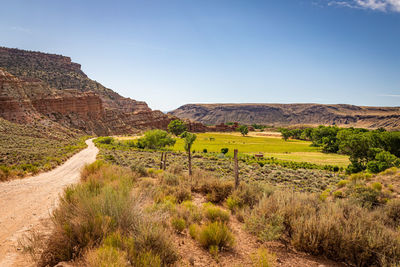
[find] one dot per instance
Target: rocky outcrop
(61, 73)
(35, 85)
(23, 101)
(292, 114)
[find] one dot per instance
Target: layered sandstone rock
(35, 84)
(292, 114)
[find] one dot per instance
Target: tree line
(372, 150)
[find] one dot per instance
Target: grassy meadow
(269, 145)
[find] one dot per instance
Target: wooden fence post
(161, 162)
(235, 158)
(190, 161)
(165, 161)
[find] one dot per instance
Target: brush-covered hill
(292, 114)
(35, 85)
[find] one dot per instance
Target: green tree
(243, 129)
(189, 139)
(155, 139)
(383, 161)
(177, 127)
(285, 133)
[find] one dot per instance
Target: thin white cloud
(20, 29)
(390, 95)
(378, 5)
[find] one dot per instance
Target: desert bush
(103, 204)
(376, 186)
(245, 195)
(89, 169)
(170, 179)
(178, 224)
(108, 140)
(391, 213)
(216, 190)
(182, 193)
(342, 183)
(215, 234)
(338, 230)
(106, 256)
(189, 212)
(139, 168)
(5, 173)
(176, 168)
(233, 204)
(263, 258)
(213, 213)
(153, 238)
(365, 196)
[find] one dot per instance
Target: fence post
(235, 158)
(161, 161)
(165, 161)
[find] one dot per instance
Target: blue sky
(172, 52)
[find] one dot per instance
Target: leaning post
(235, 158)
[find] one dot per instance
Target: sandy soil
(26, 203)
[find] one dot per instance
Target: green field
(293, 150)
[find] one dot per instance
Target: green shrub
(178, 224)
(338, 194)
(189, 212)
(367, 197)
(139, 168)
(232, 203)
(106, 256)
(155, 139)
(263, 258)
(215, 234)
(377, 186)
(170, 179)
(148, 259)
(193, 230)
(342, 183)
(90, 169)
(182, 193)
(216, 190)
(105, 140)
(247, 194)
(224, 150)
(214, 213)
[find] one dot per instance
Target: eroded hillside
(36, 86)
(291, 114)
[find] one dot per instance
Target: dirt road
(25, 203)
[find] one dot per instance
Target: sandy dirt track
(26, 202)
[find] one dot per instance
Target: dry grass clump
(213, 236)
(215, 189)
(97, 214)
(215, 214)
(263, 258)
(247, 195)
(339, 230)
